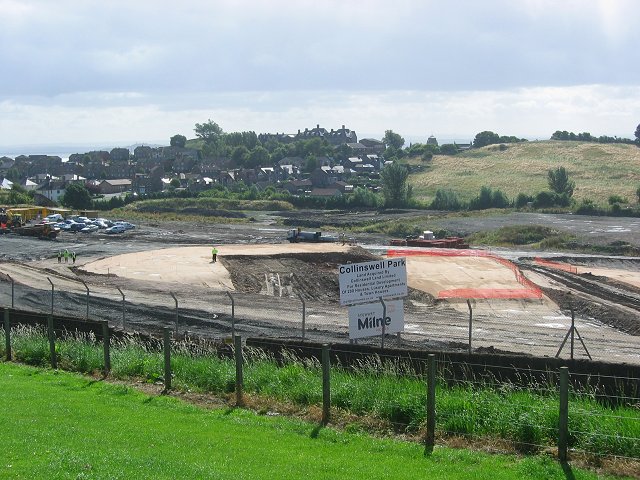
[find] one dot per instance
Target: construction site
(263, 284)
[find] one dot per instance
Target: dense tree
(258, 157)
(448, 149)
(486, 138)
(239, 155)
(209, 131)
(178, 141)
(638, 135)
(311, 163)
(13, 175)
(392, 139)
(559, 182)
(395, 186)
(76, 196)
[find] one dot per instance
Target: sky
(116, 73)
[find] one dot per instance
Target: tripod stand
(573, 332)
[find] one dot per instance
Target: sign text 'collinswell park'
(368, 281)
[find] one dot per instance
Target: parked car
(102, 223)
(53, 217)
(76, 227)
(115, 229)
(90, 228)
(126, 225)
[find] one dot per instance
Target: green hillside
(599, 170)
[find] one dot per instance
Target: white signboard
(368, 281)
(366, 320)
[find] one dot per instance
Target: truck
(40, 230)
(296, 235)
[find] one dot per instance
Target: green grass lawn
(62, 425)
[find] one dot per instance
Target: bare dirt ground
(157, 265)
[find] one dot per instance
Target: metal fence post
(12, 291)
(429, 440)
(7, 334)
(563, 420)
(470, 324)
(52, 342)
(106, 346)
(384, 321)
(233, 315)
(326, 384)
(87, 288)
(237, 347)
(166, 344)
(124, 309)
(52, 294)
(176, 300)
(304, 315)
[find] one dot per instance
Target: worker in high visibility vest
(214, 254)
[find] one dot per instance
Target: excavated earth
(594, 298)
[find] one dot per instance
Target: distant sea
(62, 151)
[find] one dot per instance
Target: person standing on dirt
(66, 256)
(214, 254)
(73, 257)
(59, 256)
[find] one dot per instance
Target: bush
(613, 199)
(446, 199)
(544, 200)
(522, 200)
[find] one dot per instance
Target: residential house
(52, 189)
(115, 186)
(325, 192)
(297, 187)
(372, 145)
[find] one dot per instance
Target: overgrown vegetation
(389, 391)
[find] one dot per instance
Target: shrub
(446, 199)
(522, 200)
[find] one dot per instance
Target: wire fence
(525, 326)
(435, 400)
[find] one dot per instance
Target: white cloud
(410, 65)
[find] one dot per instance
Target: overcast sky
(139, 71)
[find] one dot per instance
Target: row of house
(146, 169)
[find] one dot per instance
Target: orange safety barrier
(557, 265)
(531, 290)
(486, 293)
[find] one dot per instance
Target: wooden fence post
(563, 420)
(326, 384)
(429, 440)
(52, 342)
(237, 347)
(166, 344)
(106, 345)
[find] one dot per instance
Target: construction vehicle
(428, 240)
(296, 235)
(40, 230)
(9, 220)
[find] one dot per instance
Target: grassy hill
(599, 170)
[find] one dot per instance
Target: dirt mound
(312, 275)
